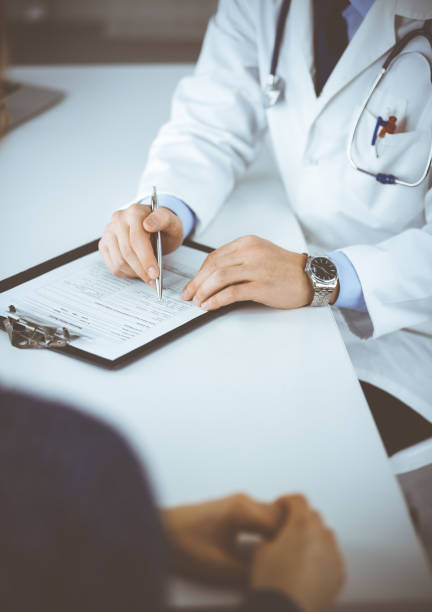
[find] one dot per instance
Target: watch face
(323, 269)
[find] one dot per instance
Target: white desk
(249, 404)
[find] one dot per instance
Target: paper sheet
(112, 315)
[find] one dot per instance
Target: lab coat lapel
(375, 37)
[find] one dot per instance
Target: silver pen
(159, 281)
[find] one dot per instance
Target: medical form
(111, 316)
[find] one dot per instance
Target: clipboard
(76, 254)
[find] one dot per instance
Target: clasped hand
(248, 268)
(296, 553)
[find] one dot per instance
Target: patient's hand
(126, 245)
(302, 560)
(203, 537)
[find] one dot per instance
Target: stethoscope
(273, 91)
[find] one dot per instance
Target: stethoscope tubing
(280, 28)
(383, 178)
(395, 53)
(402, 43)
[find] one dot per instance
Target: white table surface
(259, 400)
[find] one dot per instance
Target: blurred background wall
(106, 31)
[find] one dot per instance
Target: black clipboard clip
(25, 332)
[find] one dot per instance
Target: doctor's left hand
(251, 268)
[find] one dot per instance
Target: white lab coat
(218, 122)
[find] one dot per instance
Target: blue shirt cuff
(180, 208)
(350, 289)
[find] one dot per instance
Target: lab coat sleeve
(396, 278)
(217, 118)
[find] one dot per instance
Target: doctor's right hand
(126, 245)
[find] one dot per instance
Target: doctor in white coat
(376, 236)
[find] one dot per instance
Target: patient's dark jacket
(79, 530)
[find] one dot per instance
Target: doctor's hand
(251, 268)
(303, 559)
(203, 538)
(126, 245)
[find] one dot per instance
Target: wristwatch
(324, 278)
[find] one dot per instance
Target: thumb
(158, 221)
(294, 510)
(255, 516)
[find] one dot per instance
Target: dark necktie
(330, 38)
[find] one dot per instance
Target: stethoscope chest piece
(273, 90)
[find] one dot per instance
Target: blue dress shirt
(354, 15)
(350, 291)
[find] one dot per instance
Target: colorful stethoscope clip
(387, 127)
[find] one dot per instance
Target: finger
(104, 251)
(330, 535)
(128, 253)
(169, 224)
(218, 567)
(225, 256)
(119, 266)
(295, 507)
(234, 293)
(218, 280)
(280, 513)
(134, 210)
(142, 246)
(316, 518)
(161, 220)
(250, 515)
